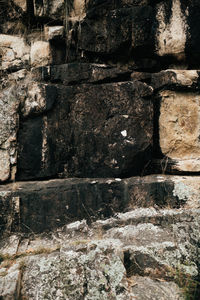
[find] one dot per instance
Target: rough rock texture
(149, 32)
(176, 118)
(98, 101)
(101, 131)
(39, 206)
(14, 52)
(112, 44)
(84, 130)
(107, 259)
(179, 128)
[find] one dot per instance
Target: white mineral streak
(171, 37)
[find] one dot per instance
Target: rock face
(180, 112)
(100, 131)
(89, 62)
(39, 206)
(14, 52)
(113, 259)
(99, 149)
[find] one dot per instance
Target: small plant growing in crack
(186, 282)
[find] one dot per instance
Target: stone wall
(100, 109)
(98, 89)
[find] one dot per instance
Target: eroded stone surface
(40, 54)
(94, 131)
(4, 165)
(52, 8)
(21, 4)
(74, 275)
(171, 35)
(97, 262)
(179, 79)
(14, 52)
(75, 73)
(9, 103)
(10, 282)
(179, 128)
(52, 32)
(39, 206)
(155, 289)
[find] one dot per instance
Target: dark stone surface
(100, 130)
(113, 34)
(150, 191)
(45, 205)
(50, 9)
(74, 73)
(49, 204)
(113, 4)
(175, 80)
(193, 39)
(126, 31)
(30, 137)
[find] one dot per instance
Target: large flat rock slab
(102, 130)
(52, 125)
(44, 205)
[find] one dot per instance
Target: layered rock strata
(99, 100)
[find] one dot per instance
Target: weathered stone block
(21, 4)
(40, 206)
(10, 282)
(18, 101)
(171, 79)
(93, 131)
(4, 165)
(177, 31)
(53, 32)
(54, 9)
(172, 29)
(40, 54)
(74, 73)
(45, 205)
(164, 31)
(14, 52)
(9, 103)
(38, 98)
(179, 129)
(65, 275)
(126, 29)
